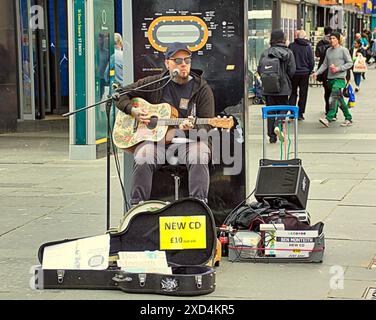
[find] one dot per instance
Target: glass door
(27, 54)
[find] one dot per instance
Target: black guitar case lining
(191, 275)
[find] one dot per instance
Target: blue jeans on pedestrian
(357, 78)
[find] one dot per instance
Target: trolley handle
(294, 112)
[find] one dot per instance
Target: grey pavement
(45, 197)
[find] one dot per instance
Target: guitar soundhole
(153, 122)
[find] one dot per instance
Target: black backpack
(270, 70)
(321, 52)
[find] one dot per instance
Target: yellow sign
(179, 233)
(355, 2)
(191, 30)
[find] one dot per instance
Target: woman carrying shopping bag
(358, 56)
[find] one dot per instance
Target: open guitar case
(192, 273)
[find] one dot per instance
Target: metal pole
(296, 137)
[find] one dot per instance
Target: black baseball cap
(175, 47)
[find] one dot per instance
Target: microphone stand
(112, 98)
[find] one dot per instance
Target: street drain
(370, 293)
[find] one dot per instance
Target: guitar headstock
(222, 122)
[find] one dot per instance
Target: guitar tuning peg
(216, 129)
(222, 129)
(228, 130)
(218, 116)
(225, 117)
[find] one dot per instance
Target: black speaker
(289, 182)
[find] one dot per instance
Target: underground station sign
(179, 233)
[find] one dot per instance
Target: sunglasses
(178, 61)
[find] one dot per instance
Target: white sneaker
(279, 134)
(334, 119)
(346, 123)
(324, 121)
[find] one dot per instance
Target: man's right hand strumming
(140, 115)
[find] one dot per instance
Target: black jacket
(304, 60)
(321, 48)
(202, 95)
(287, 59)
(320, 52)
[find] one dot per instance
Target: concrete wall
(8, 67)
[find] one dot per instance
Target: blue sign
(373, 6)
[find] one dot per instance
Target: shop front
(259, 29)
(289, 19)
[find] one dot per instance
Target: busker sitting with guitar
(191, 95)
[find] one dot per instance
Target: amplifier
(289, 182)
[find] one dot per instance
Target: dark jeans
(357, 78)
(275, 101)
(150, 156)
(300, 81)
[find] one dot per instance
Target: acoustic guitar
(128, 132)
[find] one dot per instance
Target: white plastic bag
(360, 64)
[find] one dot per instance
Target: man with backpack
(276, 68)
(321, 47)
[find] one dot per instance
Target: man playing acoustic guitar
(191, 95)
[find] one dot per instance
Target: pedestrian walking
(357, 52)
(321, 47)
(365, 45)
(276, 68)
(302, 50)
(337, 61)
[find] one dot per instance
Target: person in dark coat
(278, 49)
(320, 52)
(305, 63)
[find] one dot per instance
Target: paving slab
(272, 281)
(16, 217)
(348, 253)
(363, 194)
(353, 223)
(352, 290)
(371, 175)
(320, 210)
(331, 189)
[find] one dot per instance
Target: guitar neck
(177, 121)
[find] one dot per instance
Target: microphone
(175, 73)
